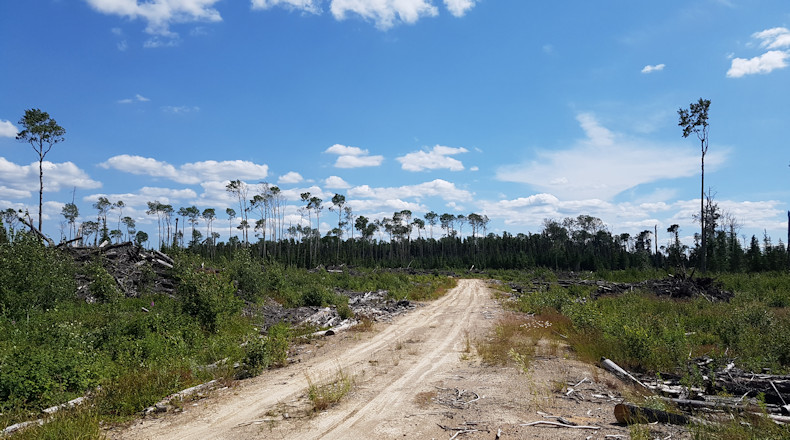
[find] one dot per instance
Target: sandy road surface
(390, 367)
(414, 378)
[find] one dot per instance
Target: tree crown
(39, 130)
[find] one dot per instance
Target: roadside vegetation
(128, 353)
(657, 335)
(654, 334)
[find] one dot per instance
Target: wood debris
(135, 270)
(677, 286)
(708, 397)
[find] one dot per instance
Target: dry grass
(325, 395)
(508, 335)
(365, 324)
(424, 399)
(467, 342)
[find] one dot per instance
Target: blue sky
(518, 110)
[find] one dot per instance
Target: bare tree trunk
(40, 188)
(704, 256)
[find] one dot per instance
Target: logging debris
(374, 305)
(718, 392)
(134, 269)
(673, 286)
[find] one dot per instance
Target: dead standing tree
(695, 120)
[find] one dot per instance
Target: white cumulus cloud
(147, 194)
(21, 181)
(435, 188)
(180, 109)
(655, 68)
(777, 41)
(776, 38)
(160, 14)
(188, 173)
(335, 182)
(436, 158)
(137, 98)
(311, 6)
(385, 13)
(290, 177)
(605, 164)
(765, 63)
(353, 157)
(7, 129)
(459, 7)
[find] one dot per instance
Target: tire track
(435, 332)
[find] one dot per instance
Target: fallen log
(620, 373)
(68, 242)
(559, 425)
(39, 233)
(164, 256)
(629, 414)
(719, 404)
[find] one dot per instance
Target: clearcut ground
(417, 377)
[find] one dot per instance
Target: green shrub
(33, 277)
(248, 274)
(314, 298)
(103, 286)
(140, 388)
(207, 296)
(80, 423)
(269, 351)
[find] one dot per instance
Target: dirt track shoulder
(416, 377)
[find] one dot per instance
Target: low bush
(654, 334)
(33, 277)
(268, 351)
(207, 296)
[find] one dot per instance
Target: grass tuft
(328, 394)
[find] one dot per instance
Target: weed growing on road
(424, 399)
(521, 360)
(326, 395)
(509, 334)
(639, 432)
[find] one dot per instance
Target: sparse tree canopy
(42, 133)
(695, 120)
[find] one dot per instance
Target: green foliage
(554, 298)
(102, 285)
(33, 277)
(248, 275)
(326, 395)
(207, 296)
(82, 423)
(648, 333)
(742, 427)
(138, 389)
(269, 351)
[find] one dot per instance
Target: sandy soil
(416, 377)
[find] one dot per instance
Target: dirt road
(416, 377)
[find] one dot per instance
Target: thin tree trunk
(40, 188)
(703, 263)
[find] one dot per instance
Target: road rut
(390, 368)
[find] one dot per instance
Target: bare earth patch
(415, 377)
